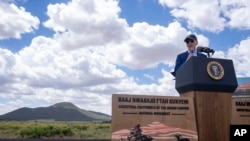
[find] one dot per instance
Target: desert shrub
(45, 131)
(66, 131)
(49, 129)
(81, 127)
(101, 126)
(31, 132)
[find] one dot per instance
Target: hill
(63, 111)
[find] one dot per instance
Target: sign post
(153, 117)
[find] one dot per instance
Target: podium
(210, 82)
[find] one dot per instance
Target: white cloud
(15, 21)
(7, 62)
(172, 3)
(88, 22)
(149, 45)
(240, 56)
(237, 11)
(211, 16)
(151, 77)
(219, 54)
(198, 13)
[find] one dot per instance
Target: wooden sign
(154, 118)
(241, 111)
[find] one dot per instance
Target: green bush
(81, 127)
(45, 131)
(103, 127)
(66, 131)
(50, 129)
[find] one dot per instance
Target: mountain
(63, 111)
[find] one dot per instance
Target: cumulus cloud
(158, 44)
(237, 11)
(15, 21)
(88, 22)
(198, 13)
(7, 62)
(240, 56)
(213, 17)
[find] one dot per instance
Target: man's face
(191, 44)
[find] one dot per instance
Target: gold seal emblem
(215, 70)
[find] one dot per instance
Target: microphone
(205, 49)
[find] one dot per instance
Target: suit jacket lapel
(185, 56)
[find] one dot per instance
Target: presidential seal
(215, 70)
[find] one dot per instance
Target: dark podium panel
(211, 83)
(194, 76)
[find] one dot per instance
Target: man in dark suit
(191, 43)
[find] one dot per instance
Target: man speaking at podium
(191, 43)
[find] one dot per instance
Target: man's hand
(189, 56)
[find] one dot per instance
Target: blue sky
(84, 51)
